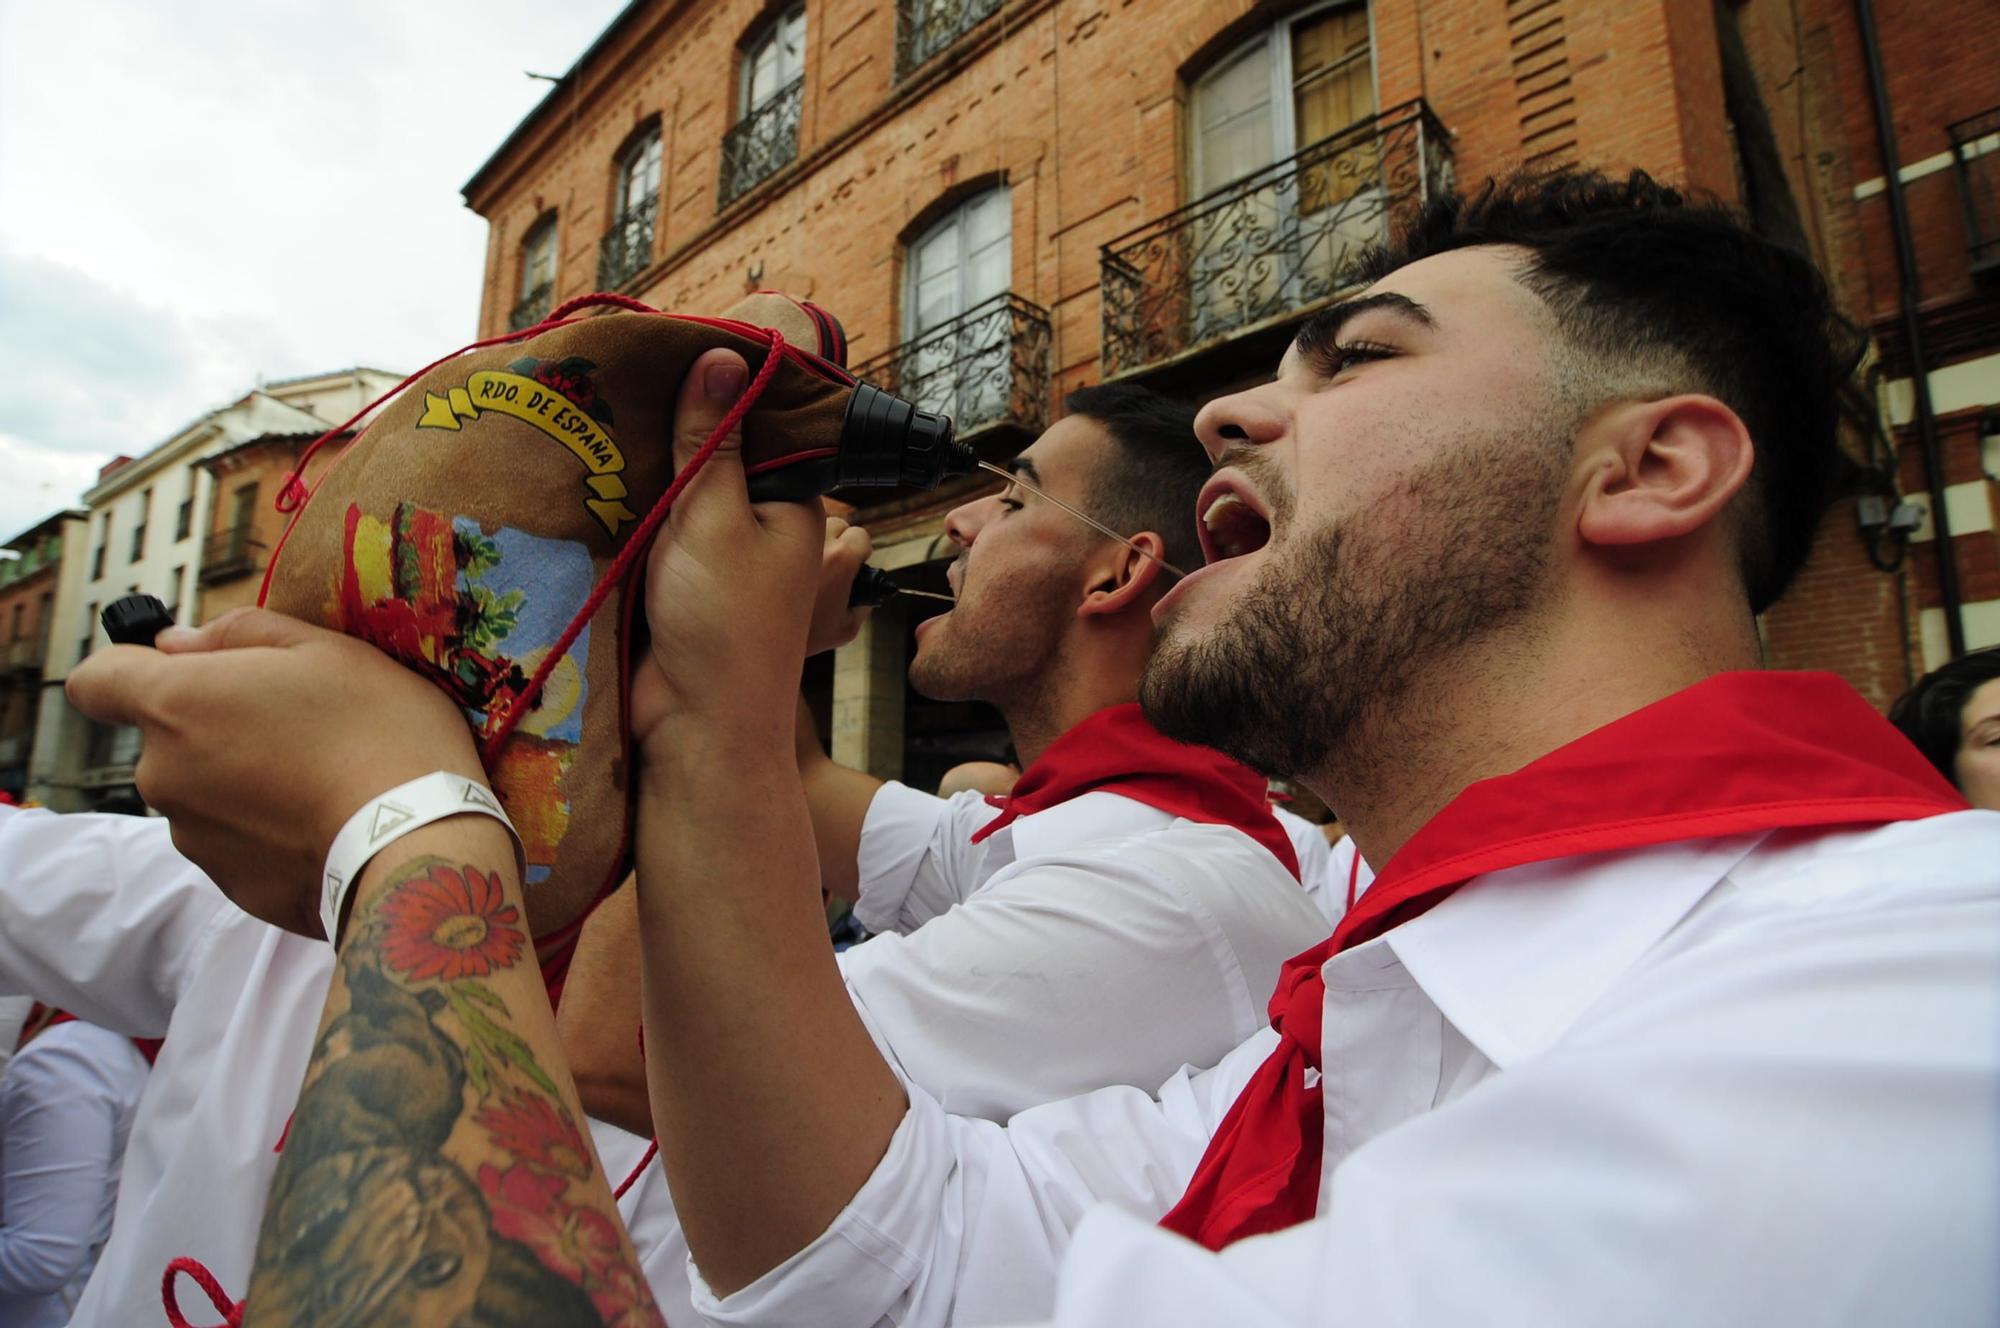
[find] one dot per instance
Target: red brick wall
(1078, 105)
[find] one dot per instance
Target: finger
(713, 383)
(835, 528)
(857, 542)
(114, 685)
(237, 629)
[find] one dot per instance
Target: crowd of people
(1644, 986)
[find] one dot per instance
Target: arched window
(1290, 175)
(1293, 84)
(956, 318)
(770, 90)
(635, 201)
(538, 274)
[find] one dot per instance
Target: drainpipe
(1913, 333)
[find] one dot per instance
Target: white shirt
(1100, 941)
(99, 915)
(1325, 883)
(13, 1017)
(1751, 1080)
(66, 1106)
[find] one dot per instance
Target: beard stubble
(1310, 664)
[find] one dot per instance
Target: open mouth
(1232, 524)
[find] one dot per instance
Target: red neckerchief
(1117, 751)
(1739, 752)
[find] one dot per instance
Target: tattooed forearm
(435, 1173)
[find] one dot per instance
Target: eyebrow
(1020, 465)
(1322, 330)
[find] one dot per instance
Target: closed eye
(1329, 363)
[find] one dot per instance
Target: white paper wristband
(385, 819)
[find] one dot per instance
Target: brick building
(1006, 199)
(147, 530)
(244, 523)
(27, 612)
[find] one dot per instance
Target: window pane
(1332, 83)
(792, 43)
(1232, 119)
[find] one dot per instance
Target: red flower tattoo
(447, 925)
(529, 1207)
(538, 1132)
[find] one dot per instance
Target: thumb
(236, 630)
(713, 383)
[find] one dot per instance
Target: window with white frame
(1264, 237)
(956, 322)
(628, 245)
(538, 273)
(773, 61)
(769, 93)
(1288, 87)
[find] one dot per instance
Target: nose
(962, 523)
(1246, 417)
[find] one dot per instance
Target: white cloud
(196, 194)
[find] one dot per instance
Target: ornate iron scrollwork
(762, 143)
(1270, 245)
(627, 247)
(926, 27)
(989, 366)
(532, 309)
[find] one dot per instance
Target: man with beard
(1675, 999)
(1676, 996)
(1124, 915)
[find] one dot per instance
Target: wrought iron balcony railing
(1975, 147)
(532, 309)
(987, 367)
(228, 554)
(762, 143)
(627, 247)
(1270, 246)
(926, 27)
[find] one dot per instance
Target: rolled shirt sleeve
(965, 1221)
(101, 917)
(917, 858)
(1111, 963)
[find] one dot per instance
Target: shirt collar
(1572, 927)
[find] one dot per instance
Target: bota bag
(488, 529)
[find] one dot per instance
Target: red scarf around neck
(1117, 751)
(1737, 753)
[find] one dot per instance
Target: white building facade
(146, 526)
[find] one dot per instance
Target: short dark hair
(1932, 713)
(1643, 276)
(1151, 476)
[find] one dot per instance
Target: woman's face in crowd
(1978, 765)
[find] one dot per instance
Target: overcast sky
(193, 194)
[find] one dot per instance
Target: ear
(1658, 470)
(1119, 578)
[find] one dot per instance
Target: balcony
(1975, 150)
(1270, 247)
(926, 27)
(227, 555)
(627, 248)
(987, 369)
(762, 143)
(532, 309)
